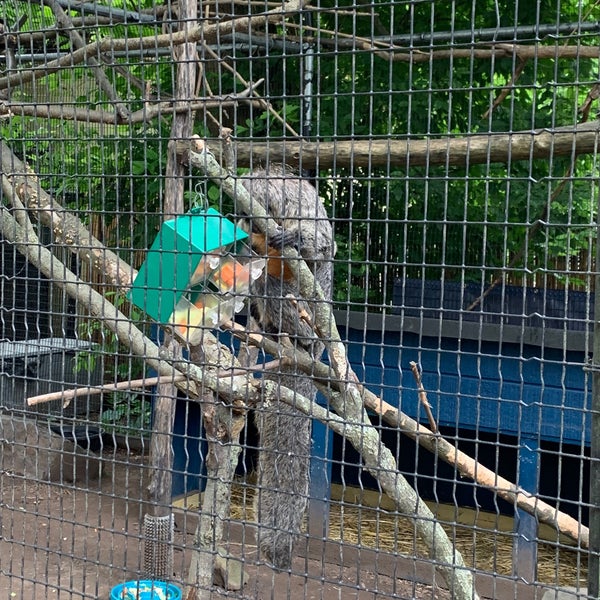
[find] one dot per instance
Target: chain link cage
(298, 299)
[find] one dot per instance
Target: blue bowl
(145, 590)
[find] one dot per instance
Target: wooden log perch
(453, 150)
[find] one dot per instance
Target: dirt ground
(79, 540)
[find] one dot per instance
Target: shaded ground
(79, 540)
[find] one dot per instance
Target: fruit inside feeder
(227, 273)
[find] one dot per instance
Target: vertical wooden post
(525, 546)
(161, 448)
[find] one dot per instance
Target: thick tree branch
(66, 227)
(463, 151)
(386, 49)
(452, 151)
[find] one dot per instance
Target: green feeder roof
(174, 256)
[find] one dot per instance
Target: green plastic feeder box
(195, 274)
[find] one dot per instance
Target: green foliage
(127, 414)
(32, 16)
(448, 222)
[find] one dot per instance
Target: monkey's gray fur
(285, 433)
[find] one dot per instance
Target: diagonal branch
(28, 244)
(66, 23)
(380, 462)
(66, 227)
(466, 466)
(264, 104)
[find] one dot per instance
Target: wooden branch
(498, 51)
(202, 33)
(380, 462)
(423, 396)
(66, 24)
(507, 89)
(480, 474)
(65, 225)
(58, 111)
(388, 51)
(459, 151)
(465, 465)
(47, 37)
(222, 426)
(67, 395)
(151, 111)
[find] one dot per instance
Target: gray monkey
(285, 433)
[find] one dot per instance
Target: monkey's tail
(283, 475)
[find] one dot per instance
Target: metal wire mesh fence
(298, 299)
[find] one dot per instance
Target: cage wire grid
(435, 165)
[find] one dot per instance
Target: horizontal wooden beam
(402, 153)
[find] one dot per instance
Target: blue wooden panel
(189, 449)
(519, 390)
(506, 304)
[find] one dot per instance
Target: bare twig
(272, 365)
(507, 88)
(423, 396)
(529, 235)
(67, 395)
(264, 104)
(302, 312)
(591, 97)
